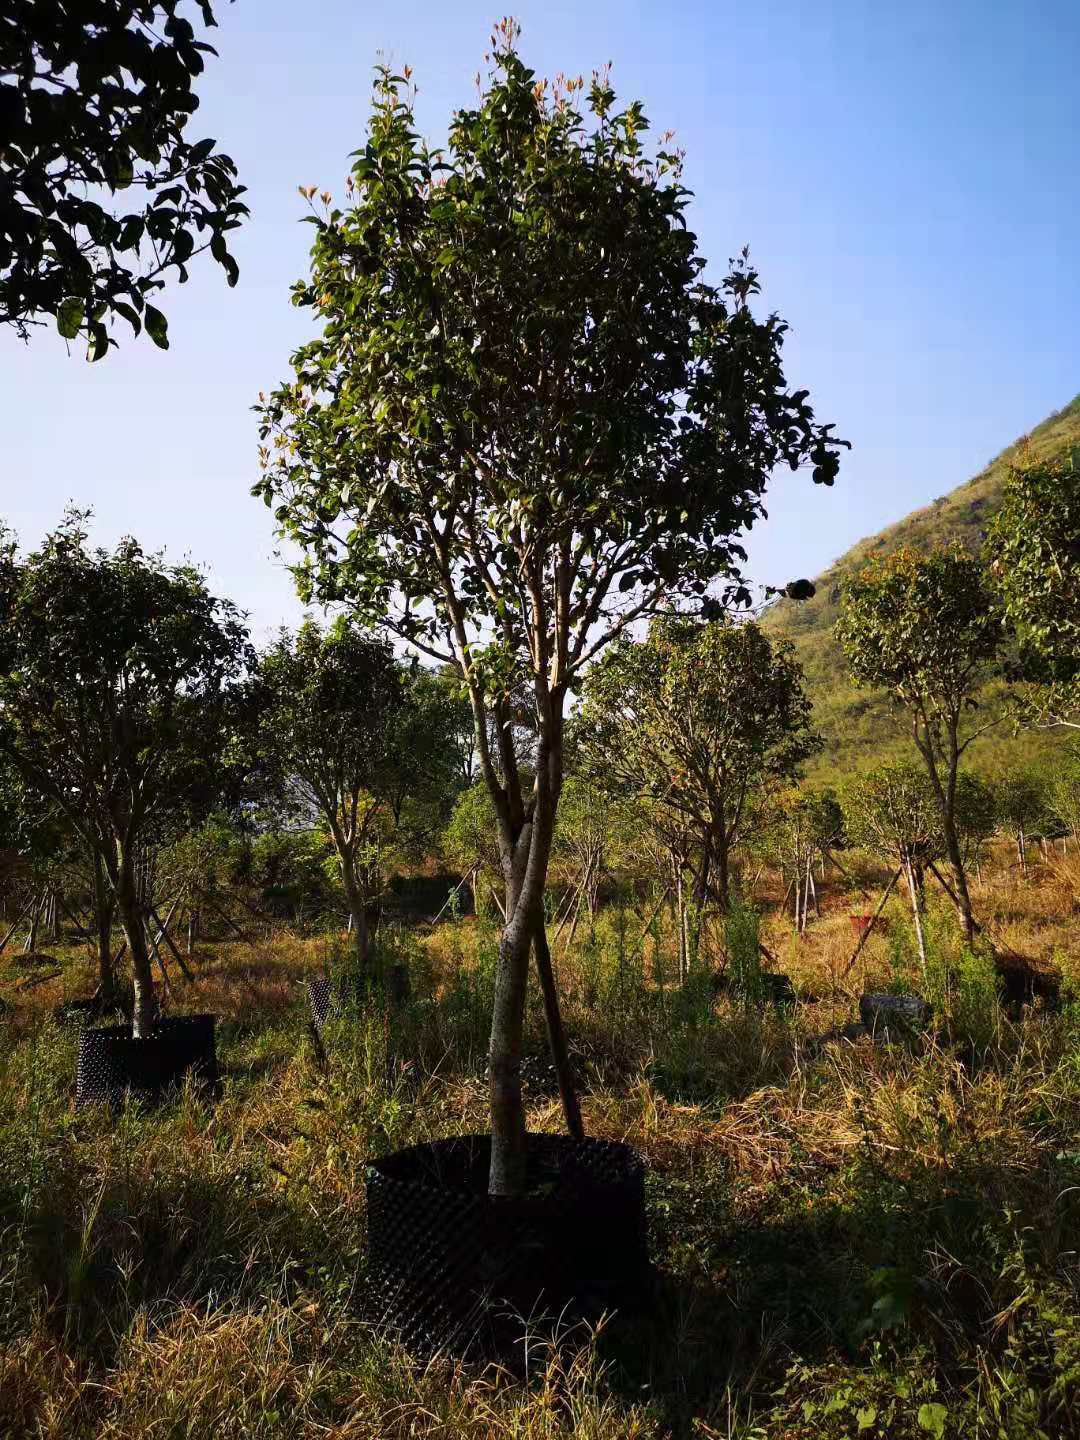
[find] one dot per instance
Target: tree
(893, 811)
(1033, 548)
(696, 720)
(1021, 807)
(527, 421)
(334, 704)
(1064, 789)
(802, 825)
(927, 629)
(95, 101)
(118, 676)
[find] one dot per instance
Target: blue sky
(904, 175)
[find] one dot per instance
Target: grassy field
(853, 1238)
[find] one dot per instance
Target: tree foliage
(926, 628)
(526, 420)
(334, 711)
(1034, 551)
(696, 720)
(102, 193)
(118, 688)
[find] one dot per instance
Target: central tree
(527, 421)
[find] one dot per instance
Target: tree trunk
(556, 1033)
(914, 890)
(723, 875)
(358, 915)
(963, 897)
(103, 918)
(508, 1138)
(131, 917)
(35, 920)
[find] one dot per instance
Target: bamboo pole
(873, 921)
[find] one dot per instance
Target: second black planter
(454, 1269)
(328, 997)
(113, 1066)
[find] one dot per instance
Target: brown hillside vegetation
(859, 726)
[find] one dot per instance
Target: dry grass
(840, 1230)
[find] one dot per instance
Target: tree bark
(508, 1138)
(131, 917)
(916, 911)
(357, 903)
(556, 1033)
(103, 918)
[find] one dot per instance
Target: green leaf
(931, 1418)
(157, 327)
(69, 317)
(865, 1417)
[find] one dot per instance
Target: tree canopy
(1034, 551)
(332, 705)
(927, 629)
(102, 192)
(526, 421)
(697, 719)
(118, 681)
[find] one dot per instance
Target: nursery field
(851, 1235)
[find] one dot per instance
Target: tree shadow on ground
(923, 1259)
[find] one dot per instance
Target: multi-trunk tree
(527, 419)
(926, 628)
(698, 720)
(893, 811)
(334, 712)
(118, 685)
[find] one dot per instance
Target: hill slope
(860, 726)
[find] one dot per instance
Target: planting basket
(328, 998)
(454, 1269)
(113, 1066)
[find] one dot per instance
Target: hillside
(860, 726)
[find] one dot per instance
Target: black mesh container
(328, 997)
(454, 1269)
(113, 1066)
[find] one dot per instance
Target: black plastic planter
(113, 1066)
(328, 997)
(454, 1269)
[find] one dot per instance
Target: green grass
(851, 1240)
(860, 727)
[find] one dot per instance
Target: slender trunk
(132, 919)
(358, 926)
(1021, 845)
(192, 929)
(103, 918)
(723, 874)
(508, 1135)
(914, 890)
(556, 1033)
(963, 896)
(35, 920)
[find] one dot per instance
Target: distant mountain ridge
(860, 727)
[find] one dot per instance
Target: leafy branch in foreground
(95, 102)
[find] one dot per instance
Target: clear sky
(904, 174)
